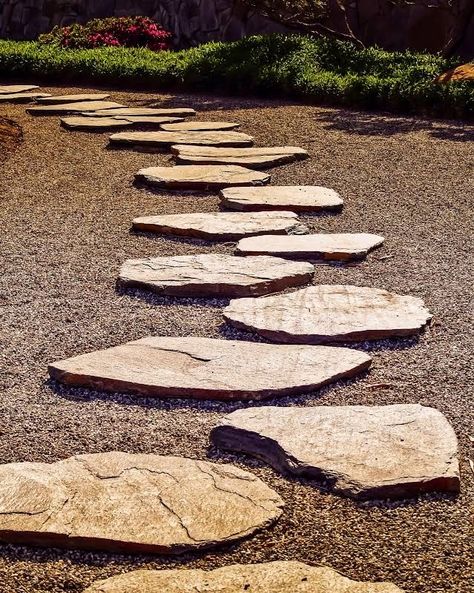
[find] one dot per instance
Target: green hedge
(317, 70)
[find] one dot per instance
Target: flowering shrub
(135, 31)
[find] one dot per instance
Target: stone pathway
(271, 577)
(339, 247)
(11, 89)
(205, 368)
(164, 140)
(101, 124)
(200, 126)
(213, 275)
(255, 158)
(363, 452)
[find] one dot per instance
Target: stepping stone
(79, 107)
(21, 97)
(73, 98)
(80, 122)
(218, 226)
(302, 198)
(199, 126)
(342, 247)
(203, 178)
(132, 503)
(163, 140)
(10, 89)
(270, 577)
(204, 368)
(256, 158)
(146, 112)
(363, 452)
(213, 275)
(330, 313)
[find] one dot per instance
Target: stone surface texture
(166, 139)
(213, 275)
(73, 98)
(132, 502)
(330, 313)
(219, 226)
(298, 198)
(270, 577)
(254, 158)
(340, 247)
(17, 88)
(200, 126)
(145, 111)
(80, 122)
(364, 452)
(205, 368)
(201, 177)
(21, 97)
(79, 107)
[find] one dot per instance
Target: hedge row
(316, 70)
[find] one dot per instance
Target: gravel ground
(66, 209)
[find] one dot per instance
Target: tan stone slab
(341, 247)
(163, 140)
(297, 198)
(10, 89)
(61, 99)
(21, 97)
(133, 503)
(147, 112)
(364, 452)
(271, 577)
(200, 126)
(204, 368)
(255, 158)
(79, 107)
(213, 275)
(218, 226)
(201, 177)
(330, 313)
(80, 122)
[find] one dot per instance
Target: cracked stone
(58, 99)
(132, 503)
(163, 140)
(146, 112)
(79, 107)
(213, 275)
(330, 313)
(302, 198)
(200, 126)
(364, 452)
(271, 577)
(202, 177)
(81, 122)
(218, 226)
(21, 97)
(255, 158)
(11, 89)
(341, 247)
(205, 368)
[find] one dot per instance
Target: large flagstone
(255, 157)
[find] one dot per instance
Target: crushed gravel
(66, 208)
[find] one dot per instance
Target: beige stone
(213, 275)
(146, 112)
(255, 158)
(205, 368)
(133, 503)
(79, 107)
(363, 452)
(21, 97)
(80, 122)
(10, 89)
(199, 126)
(341, 247)
(58, 99)
(272, 577)
(163, 140)
(330, 313)
(218, 226)
(201, 177)
(297, 198)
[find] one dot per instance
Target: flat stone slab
(204, 368)
(10, 89)
(163, 140)
(21, 97)
(133, 503)
(58, 99)
(272, 577)
(80, 122)
(330, 313)
(202, 177)
(255, 158)
(213, 275)
(363, 452)
(146, 112)
(297, 198)
(79, 107)
(200, 126)
(341, 247)
(218, 226)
